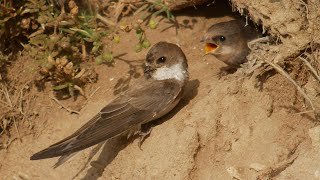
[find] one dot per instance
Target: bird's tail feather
(64, 159)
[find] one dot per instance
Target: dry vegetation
(294, 26)
(63, 40)
(48, 35)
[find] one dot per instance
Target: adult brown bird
(227, 41)
(153, 96)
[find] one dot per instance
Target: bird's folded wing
(133, 108)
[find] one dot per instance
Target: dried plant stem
(94, 92)
(4, 103)
(284, 73)
(84, 52)
(259, 40)
(105, 20)
(16, 127)
(6, 94)
(310, 67)
(80, 90)
(305, 112)
(63, 106)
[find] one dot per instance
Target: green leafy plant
(156, 7)
(62, 43)
(143, 42)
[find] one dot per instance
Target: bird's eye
(161, 60)
(222, 38)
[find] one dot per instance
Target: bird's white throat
(173, 72)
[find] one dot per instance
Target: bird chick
(227, 41)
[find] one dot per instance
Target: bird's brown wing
(137, 106)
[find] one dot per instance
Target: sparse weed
(63, 42)
(58, 43)
(156, 7)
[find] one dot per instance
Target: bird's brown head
(227, 41)
(166, 61)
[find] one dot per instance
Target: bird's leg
(143, 134)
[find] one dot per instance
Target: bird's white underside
(173, 72)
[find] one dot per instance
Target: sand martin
(153, 96)
(228, 42)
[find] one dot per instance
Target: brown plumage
(227, 41)
(153, 96)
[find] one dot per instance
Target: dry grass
(14, 105)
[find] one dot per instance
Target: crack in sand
(197, 150)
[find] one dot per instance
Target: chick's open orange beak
(209, 47)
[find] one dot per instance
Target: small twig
(5, 146)
(119, 9)
(59, 18)
(105, 20)
(94, 92)
(284, 73)
(305, 112)
(259, 40)
(4, 126)
(307, 9)
(142, 8)
(4, 103)
(80, 73)
(21, 97)
(84, 52)
(16, 127)
(63, 106)
(80, 90)
(6, 94)
(310, 67)
(40, 31)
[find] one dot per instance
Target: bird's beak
(210, 47)
(148, 69)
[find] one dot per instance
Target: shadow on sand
(112, 147)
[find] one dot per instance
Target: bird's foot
(143, 136)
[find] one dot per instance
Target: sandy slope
(222, 128)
